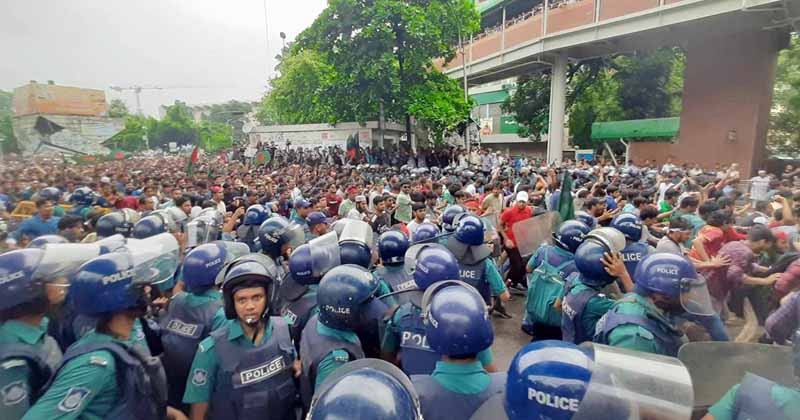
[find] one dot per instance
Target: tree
(117, 109)
(134, 137)
(177, 126)
(215, 136)
(224, 113)
(439, 104)
(8, 141)
(784, 133)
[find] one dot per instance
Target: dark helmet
(309, 262)
(19, 283)
(433, 263)
(148, 226)
(107, 284)
(255, 215)
(629, 224)
(276, 232)
(50, 193)
(570, 235)
(586, 218)
(246, 272)
(82, 196)
(450, 217)
(589, 255)
(118, 222)
(355, 243)
(392, 247)
(41, 241)
(456, 320)
(202, 265)
(675, 277)
(425, 232)
(343, 295)
(470, 230)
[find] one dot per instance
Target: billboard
(36, 98)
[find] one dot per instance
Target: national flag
(352, 146)
(193, 159)
(263, 157)
(566, 206)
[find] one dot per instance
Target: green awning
(637, 129)
(488, 5)
(496, 97)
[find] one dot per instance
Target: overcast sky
(216, 47)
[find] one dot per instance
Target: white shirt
(759, 186)
(413, 226)
(668, 167)
(662, 189)
(355, 214)
(470, 188)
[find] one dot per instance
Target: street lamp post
(283, 38)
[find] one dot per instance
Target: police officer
(117, 223)
(557, 380)
(82, 199)
(665, 284)
(104, 375)
(631, 226)
(426, 232)
(586, 218)
(195, 312)
(247, 232)
(760, 398)
(390, 396)
(245, 369)
(328, 340)
(392, 247)
(599, 265)
(450, 217)
(28, 356)
(307, 264)
(458, 327)
(356, 243)
(277, 237)
(476, 268)
(542, 319)
(148, 226)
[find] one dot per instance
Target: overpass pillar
(558, 102)
(727, 96)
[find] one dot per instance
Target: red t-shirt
(333, 203)
(513, 215)
(713, 238)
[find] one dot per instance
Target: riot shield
(233, 250)
(357, 231)
(716, 366)
(535, 231)
(155, 259)
(200, 231)
(60, 261)
(324, 253)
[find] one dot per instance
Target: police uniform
(635, 323)
(456, 390)
(632, 254)
(393, 278)
(27, 359)
(757, 398)
(581, 308)
(554, 256)
(483, 275)
(304, 223)
(240, 379)
(86, 385)
(299, 304)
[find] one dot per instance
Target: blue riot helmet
(456, 319)
(356, 243)
(431, 263)
(390, 394)
(252, 270)
(630, 225)
(50, 193)
(589, 255)
(174, 218)
(675, 278)
(82, 196)
(309, 262)
(343, 294)
(278, 231)
(586, 218)
(450, 217)
(425, 232)
(392, 247)
(110, 244)
(202, 265)
(255, 215)
(41, 241)
(148, 226)
(570, 235)
(118, 222)
(558, 380)
(470, 230)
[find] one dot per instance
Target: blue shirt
(35, 226)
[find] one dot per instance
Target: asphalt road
(508, 337)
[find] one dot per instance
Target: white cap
(522, 196)
(105, 180)
(760, 220)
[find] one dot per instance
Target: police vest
(182, 328)
(632, 254)
(41, 360)
(439, 403)
(416, 357)
(369, 326)
(572, 307)
(297, 308)
(475, 276)
(254, 381)
(140, 378)
(398, 281)
(754, 400)
(668, 339)
(313, 348)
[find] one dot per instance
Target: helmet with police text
(586, 218)
(431, 263)
(570, 235)
(391, 395)
(309, 262)
(148, 226)
(41, 241)
(344, 293)
(470, 230)
(202, 265)
(118, 222)
(589, 255)
(425, 232)
(18, 282)
(50, 193)
(674, 277)
(355, 243)
(278, 231)
(82, 196)
(392, 247)
(456, 319)
(630, 225)
(248, 271)
(255, 215)
(450, 217)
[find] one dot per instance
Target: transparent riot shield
(60, 261)
(155, 259)
(357, 231)
(531, 233)
(233, 250)
(200, 231)
(324, 253)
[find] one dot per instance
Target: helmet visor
(60, 261)
(154, 259)
(412, 254)
(325, 254)
(695, 298)
(294, 235)
(357, 231)
(200, 231)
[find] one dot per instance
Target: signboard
(587, 154)
(487, 126)
(173, 147)
(508, 124)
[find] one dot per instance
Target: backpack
(545, 290)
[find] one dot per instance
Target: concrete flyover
(731, 46)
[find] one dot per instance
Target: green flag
(192, 162)
(566, 206)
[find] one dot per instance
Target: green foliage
(8, 142)
(117, 109)
(784, 133)
(439, 104)
(215, 136)
(223, 113)
(134, 136)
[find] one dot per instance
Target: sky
(200, 51)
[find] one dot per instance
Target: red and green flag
(193, 159)
(263, 157)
